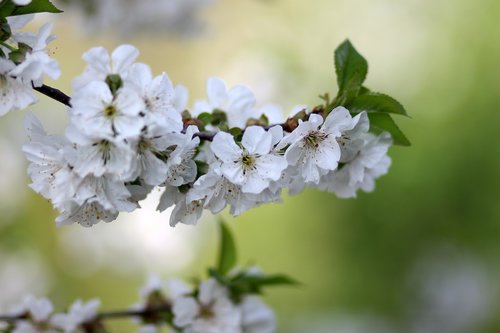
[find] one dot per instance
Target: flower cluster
(209, 307)
(24, 61)
(36, 315)
(130, 132)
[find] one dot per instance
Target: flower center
(206, 312)
(143, 145)
(343, 140)
(110, 111)
(248, 161)
(313, 139)
(105, 150)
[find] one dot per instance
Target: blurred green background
(420, 254)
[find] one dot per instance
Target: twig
(55, 94)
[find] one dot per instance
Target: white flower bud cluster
(37, 315)
(24, 61)
(127, 135)
(209, 308)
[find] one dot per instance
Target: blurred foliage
(439, 58)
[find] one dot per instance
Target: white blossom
(313, 148)
(216, 192)
(253, 166)
(97, 156)
(14, 95)
(49, 170)
(97, 112)
(37, 62)
(370, 163)
(256, 317)
(211, 312)
(39, 311)
(185, 211)
(180, 164)
(236, 102)
(79, 313)
(158, 95)
(101, 64)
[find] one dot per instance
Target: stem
(54, 93)
(145, 313)
(148, 312)
(7, 46)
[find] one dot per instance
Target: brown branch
(149, 313)
(54, 93)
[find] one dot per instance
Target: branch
(54, 93)
(150, 312)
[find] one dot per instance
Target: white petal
(185, 310)
(122, 57)
(256, 140)
(233, 172)
(225, 148)
(271, 166)
(216, 92)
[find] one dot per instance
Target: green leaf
(375, 102)
(219, 117)
(6, 8)
(237, 133)
(351, 69)
(36, 6)
(269, 280)
(214, 273)
(380, 122)
(205, 117)
(227, 254)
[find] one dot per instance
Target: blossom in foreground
(99, 112)
(100, 64)
(14, 94)
(360, 173)
(24, 62)
(253, 166)
(130, 132)
(313, 148)
(37, 62)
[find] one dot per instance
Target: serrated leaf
(380, 122)
(36, 6)
(376, 102)
(227, 252)
(351, 69)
